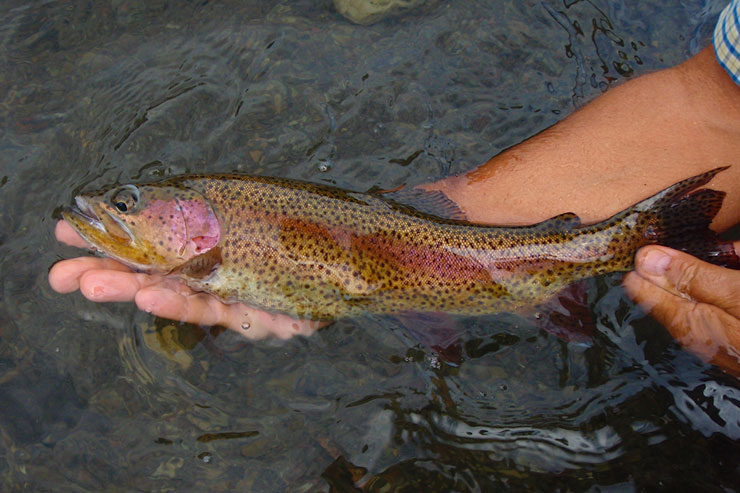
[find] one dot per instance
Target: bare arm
(627, 144)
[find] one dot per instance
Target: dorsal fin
(565, 221)
(201, 265)
(434, 203)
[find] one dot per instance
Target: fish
(318, 252)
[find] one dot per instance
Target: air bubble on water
(324, 166)
(206, 457)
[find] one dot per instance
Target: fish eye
(126, 198)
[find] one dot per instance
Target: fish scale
(319, 252)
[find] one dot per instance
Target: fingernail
(655, 262)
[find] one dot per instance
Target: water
(102, 395)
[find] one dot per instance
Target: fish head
(152, 228)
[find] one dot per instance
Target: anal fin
(567, 315)
(436, 331)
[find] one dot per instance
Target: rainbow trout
(318, 252)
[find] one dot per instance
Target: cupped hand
(697, 302)
(104, 279)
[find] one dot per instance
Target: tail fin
(679, 217)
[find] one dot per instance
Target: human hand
(697, 302)
(104, 279)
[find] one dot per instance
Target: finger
(66, 234)
(182, 306)
(710, 332)
(203, 309)
(64, 276)
(200, 309)
(687, 276)
(110, 285)
(284, 326)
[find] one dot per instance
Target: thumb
(690, 278)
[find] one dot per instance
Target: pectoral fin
(202, 265)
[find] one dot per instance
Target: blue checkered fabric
(727, 40)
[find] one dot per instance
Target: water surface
(91, 396)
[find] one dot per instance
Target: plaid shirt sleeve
(727, 40)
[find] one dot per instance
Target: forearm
(629, 143)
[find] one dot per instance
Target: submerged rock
(367, 12)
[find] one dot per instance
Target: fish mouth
(87, 215)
